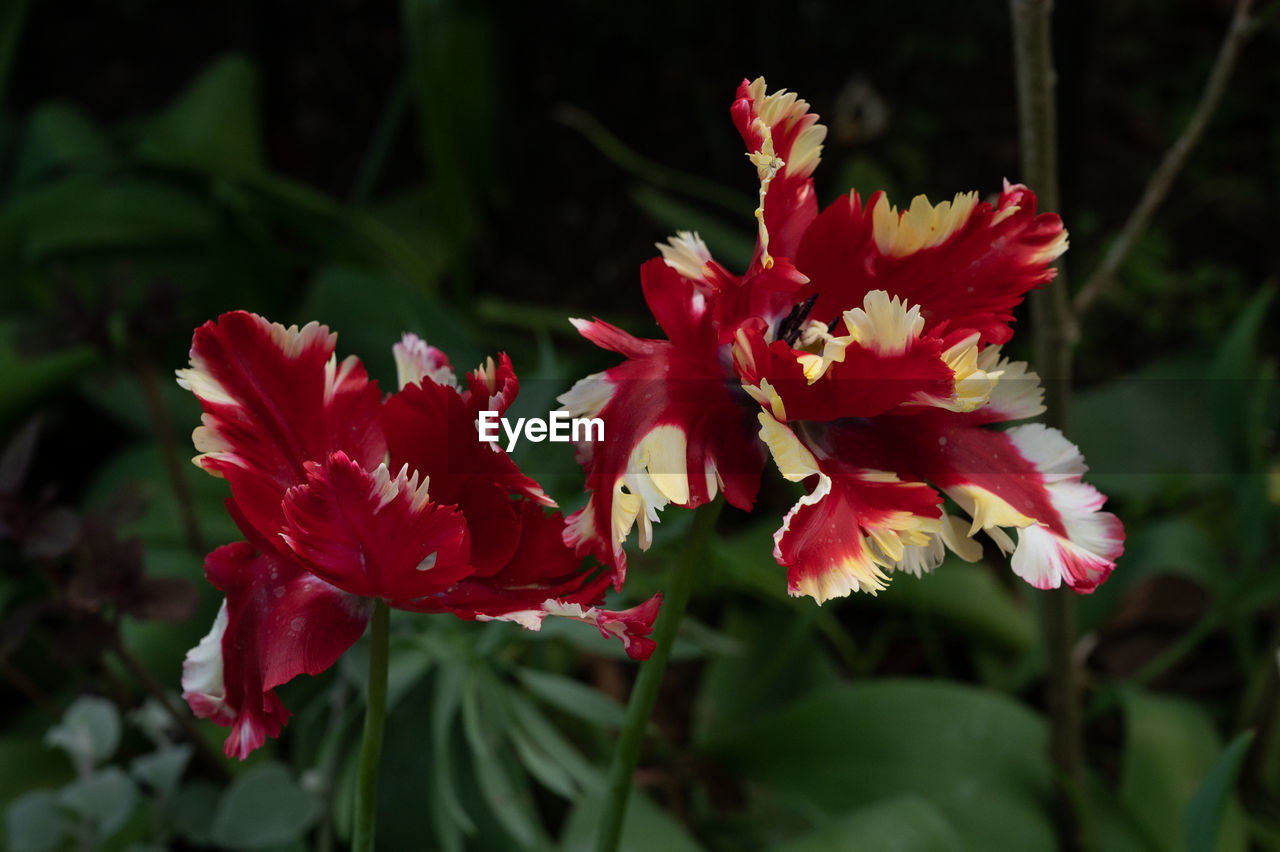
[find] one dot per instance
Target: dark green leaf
(1170, 745)
(967, 595)
(213, 125)
(646, 828)
(25, 379)
(539, 763)
(576, 699)
(976, 756)
(1208, 806)
(371, 310)
(1135, 431)
(451, 74)
(86, 212)
(529, 719)
(901, 824)
(451, 817)
(59, 136)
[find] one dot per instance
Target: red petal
(971, 280)
(278, 622)
(631, 626)
(415, 361)
(866, 383)
(854, 523)
(274, 398)
(431, 429)
(540, 567)
(544, 578)
(374, 535)
(781, 121)
(491, 387)
(676, 429)
(1026, 479)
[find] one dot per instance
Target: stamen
(793, 323)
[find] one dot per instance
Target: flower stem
(371, 744)
(645, 692)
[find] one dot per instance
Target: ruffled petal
(430, 428)
(784, 143)
(277, 621)
(415, 361)
(631, 626)
(966, 262)
(853, 526)
(273, 399)
(675, 431)
(375, 535)
(1025, 480)
(491, 387)
(878, 364)
(544, 577)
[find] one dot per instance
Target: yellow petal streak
(656, 475)
(883, 325)
(792, 457)
(976, 376)
(987, 509)
(883, 547)
(768, 397)
(782, 110)
(921, 226)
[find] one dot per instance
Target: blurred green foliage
(514, 170)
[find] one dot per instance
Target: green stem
(645, 692)
(371, 745)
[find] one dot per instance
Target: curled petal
(675, 431)
(879, 364)
(491, 387)
(1016, 396)
(544, 577)
(274, 398)
(784, 143)
(631, 626)
(854, 525)
(374, 535)
(415, 361)
(1028, 480)
(277, 621)
(433, 429)
(967, 263)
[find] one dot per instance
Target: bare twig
(1238, 32)
(1055, 334)
(184, 720)
(173, 463)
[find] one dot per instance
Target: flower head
(344, 497)
(861, 349)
